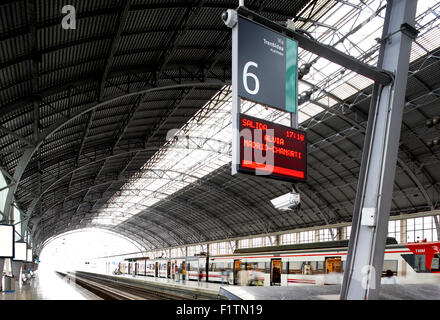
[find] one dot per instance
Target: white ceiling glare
(6, 241)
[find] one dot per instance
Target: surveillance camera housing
(230, 18)
(287, 201)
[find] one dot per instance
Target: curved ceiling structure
(79, 106)
(83, 110)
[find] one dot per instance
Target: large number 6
(247, 74)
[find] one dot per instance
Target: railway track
(110, 289)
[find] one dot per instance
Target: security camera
(288, 201)
(229, 17)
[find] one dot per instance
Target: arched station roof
(83, 110)
(82, 104)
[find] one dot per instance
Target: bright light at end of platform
(72, 250)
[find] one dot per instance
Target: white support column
(340, 235)
(277, 240)
(363, 271)
(437, 227)
(403, 231)
(16, 268)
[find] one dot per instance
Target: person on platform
(389, 278)
(243, 277)
(183, 274)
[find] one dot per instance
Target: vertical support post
(236, 102)
(364, 265)
(437, 226)
(277, 240)
(403, 231)
(16, 268)
(339, 235)
(294, 120)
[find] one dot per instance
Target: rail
(109, 288)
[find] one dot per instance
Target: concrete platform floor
(330, 292)
(48, 286)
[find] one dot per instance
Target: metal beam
(49, 131)
(16, 136)
(45, 236)
(135, 7)
(197, 209)
(324, 51)
(363, 269)
(113, 47)
(362, 130)
(138, 244)
(92, 78)
(159, 213)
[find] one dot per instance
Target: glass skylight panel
(423, 6)
(327, 101)
(344, 91)
(416, 52)
(431, 39)
(310, 109)
(360, 82)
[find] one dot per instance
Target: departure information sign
(272, 150)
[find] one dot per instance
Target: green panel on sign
(291, 75)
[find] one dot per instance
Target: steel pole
(236, 102)
(364, 263)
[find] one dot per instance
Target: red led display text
(272, 150)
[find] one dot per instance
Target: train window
(219, 266)
(257, 266)
(267, 268)
(295, 267)
(319, 267)
(435, 263)
(417, 262)
(284, 267)
(389, 265)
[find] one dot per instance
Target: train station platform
(329, 292)
(48, 286)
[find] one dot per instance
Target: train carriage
(298, 264)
